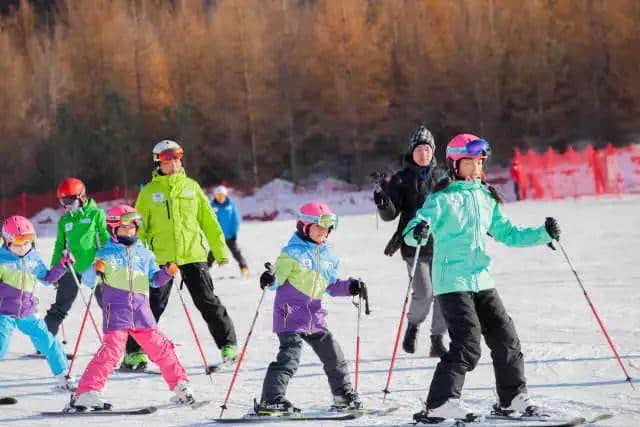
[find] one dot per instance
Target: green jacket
(84, 231)
(176, 219)
(459, 217)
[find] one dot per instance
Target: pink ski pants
(155, 345)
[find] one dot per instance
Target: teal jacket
(459, 218)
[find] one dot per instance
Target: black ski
(125, 370)
(41, 356)
(104, 412)
(8, 400)
(295, 416)
(500, 421)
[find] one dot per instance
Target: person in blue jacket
(229, 219)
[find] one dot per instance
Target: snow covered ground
(569, 365)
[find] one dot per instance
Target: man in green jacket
(82, 230)
(176, 220)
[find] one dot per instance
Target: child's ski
(70, 412)
(41, 356)
(295, 416)
(8, 400)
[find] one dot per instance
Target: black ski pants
(66, 293)
(200, 285)
(286, 364)
(470, 315)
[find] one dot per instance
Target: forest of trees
(255, 89)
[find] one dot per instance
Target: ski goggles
(475, 148)
(324, 220)
(68, 200)
(173, 154)
(20, 239)
(126, 219)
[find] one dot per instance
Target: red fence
(552, 175)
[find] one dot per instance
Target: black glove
(268, 277)
(358, 287)
(552, 227)
(421, 231)
(381, 200)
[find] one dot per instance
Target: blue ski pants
(35, 328)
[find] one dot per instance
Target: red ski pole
(84, 322)
(195, 335)
(595, 313)
(404, 310)
(84, 300)
(357, 374)
(244, 347)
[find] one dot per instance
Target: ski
(365, 411)
(499, 421)
(70, 412)
(294, 416)
(144, 370)
(8, 400)
(215, 367)
(41, 356)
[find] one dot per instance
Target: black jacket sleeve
(393, 192)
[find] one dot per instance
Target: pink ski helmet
(316, 213)
(122, 215)
(466, 146)
(19, 230)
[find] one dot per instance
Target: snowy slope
(569, 365)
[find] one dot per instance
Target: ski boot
(348, 400)
(521, 405)
(229, 354)
(276, 407)
(65, 384)
(184, 394)
(136, 361)
(88, 401)
(451, 409)
(410, 337)
(437, 347)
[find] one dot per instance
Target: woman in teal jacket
(459, 214)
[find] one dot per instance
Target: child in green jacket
(82, 230)
(459, 214)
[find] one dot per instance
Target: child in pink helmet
(126, 270)
(21, 269)
(304, 272)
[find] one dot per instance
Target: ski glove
(421, 232)
(67, 259)
(552, 227)
(268, 277)
(171, 268)
(381, 200)
(100, 265)
(358, 287)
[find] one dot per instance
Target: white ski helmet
(221, 189)
(165, 145)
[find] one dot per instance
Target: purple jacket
(305, 271)
(18, 280)
(129, 272)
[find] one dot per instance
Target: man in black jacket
(403, 195)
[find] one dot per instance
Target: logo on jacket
(68, 226)
(456, 200)
(188, 193)
(306, 263)
(157, 197)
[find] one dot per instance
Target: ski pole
(595, 313)
(84, 322)
(195, 335)
(269, 267)
(64, 336)
(357, 374)
(84, 300)
(404, 310)
(367, 312)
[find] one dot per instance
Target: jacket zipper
(286, 313)
(108, 313)
(444, 269)
(477, 229)
(166, 203)
(313, 288)
(21, 286)
(133, 325)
